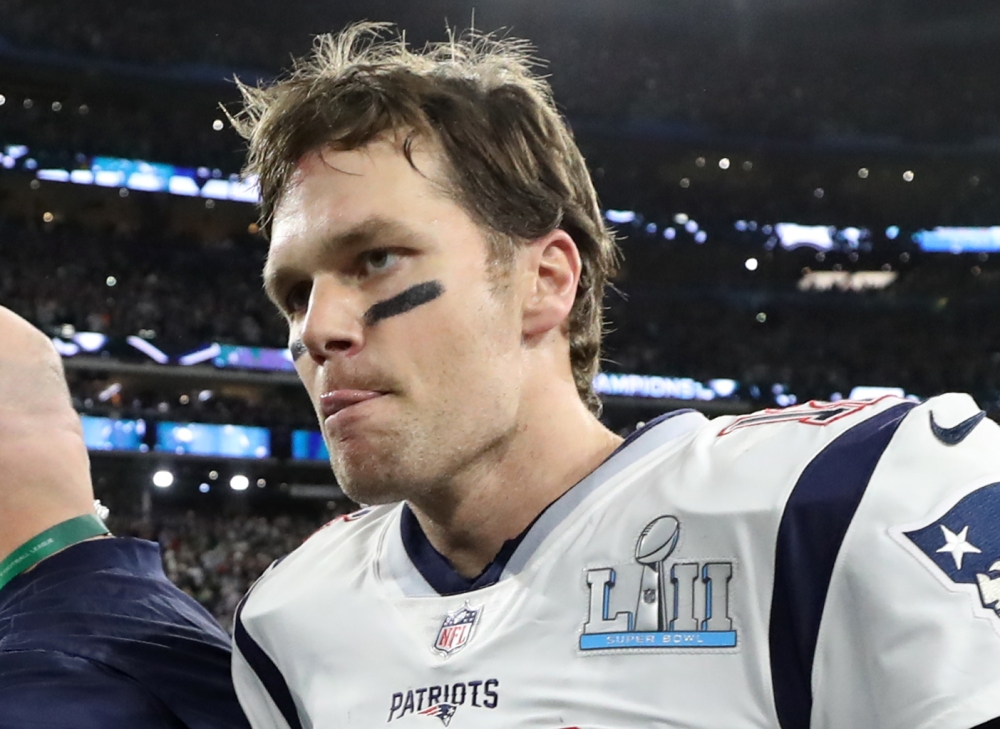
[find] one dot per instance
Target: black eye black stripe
(401, 303)
(297, 348)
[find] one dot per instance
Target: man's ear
(553, 269)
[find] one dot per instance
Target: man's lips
(334, 401)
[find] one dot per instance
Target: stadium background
(805, 193)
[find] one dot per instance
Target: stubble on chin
(370, 480)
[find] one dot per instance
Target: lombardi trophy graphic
(657, 542)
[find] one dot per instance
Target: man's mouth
(335, 401)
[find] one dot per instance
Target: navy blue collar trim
(435, 568)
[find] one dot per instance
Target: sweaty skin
(411, 298)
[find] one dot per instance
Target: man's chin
(367, 483)
(371, 494)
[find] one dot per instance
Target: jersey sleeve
(260, 687)
(910, 629)
(257, 704)
(50, 690)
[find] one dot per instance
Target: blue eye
(379, 259)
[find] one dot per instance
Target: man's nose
(334, 320)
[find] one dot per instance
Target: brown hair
(512, 162)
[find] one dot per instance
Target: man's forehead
(328, 185)
(386, 154)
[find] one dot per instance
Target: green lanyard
(48, 543)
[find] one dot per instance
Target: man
(92, 635)
(438, 252)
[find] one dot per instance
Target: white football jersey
(826, 566)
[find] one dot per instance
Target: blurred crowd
(216, 559)
(798, 86)
(816, 344)
(174, 290)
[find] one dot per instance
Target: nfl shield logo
(457, 629)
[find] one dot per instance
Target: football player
(438, 251)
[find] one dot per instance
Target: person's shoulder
(950, 420)
(814, 417)
(336, 546)
(107, 592)
(789, 437)
(801, 431)
(945, 453)
(43, 688)
(52, 687)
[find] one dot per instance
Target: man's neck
(499, 497)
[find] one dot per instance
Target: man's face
(410, 351)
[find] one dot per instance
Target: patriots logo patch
(444, 712)
(964, 546)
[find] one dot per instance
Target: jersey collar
(442, 579)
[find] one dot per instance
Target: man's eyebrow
(370, 230)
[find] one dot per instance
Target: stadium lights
(620, 216)
(908, 176)
(163, 479)
(148, 349)
(202, 355)
(109, 392)
(239, 482)
(751, 264)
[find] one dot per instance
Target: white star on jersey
(957, 545)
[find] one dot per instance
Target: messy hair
(511, 160)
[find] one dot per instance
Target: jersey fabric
(826, 566)
(97, 637)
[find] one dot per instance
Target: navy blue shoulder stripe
(267, 672)
(816, 518)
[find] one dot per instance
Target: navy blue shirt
(96, 637)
